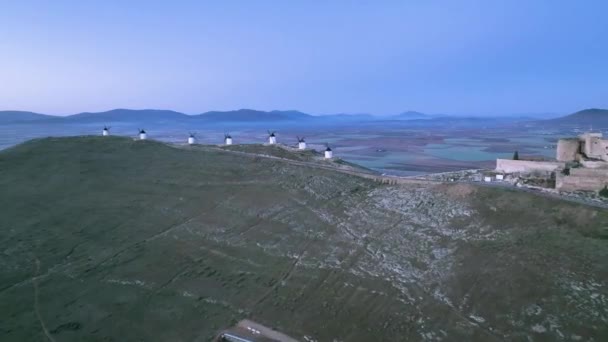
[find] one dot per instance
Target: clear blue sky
(463, 57)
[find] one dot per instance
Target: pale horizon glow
(461, 57)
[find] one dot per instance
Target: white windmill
(227, 139)
(192, 139)
(301, 143)
(142, 134)
(328, 152)
(272, 138)
(106, 131)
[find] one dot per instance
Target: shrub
(604, 192)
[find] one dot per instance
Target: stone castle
(581, 164)
(587, 147)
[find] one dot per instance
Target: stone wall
(584, 172)
(594, 164)
(594, 146)
(580, 182)
(567, 149)
(527, 166)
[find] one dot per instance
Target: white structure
(142, 135)
(227, 139)
(500, 177)
(106, 131)
(487, 179)
(192, 139)
(272, 139)
(301, 143)
(329, 153)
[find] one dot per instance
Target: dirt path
(36, 303)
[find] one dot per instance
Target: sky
(486, 57)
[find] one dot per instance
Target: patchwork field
(401, 148)
(112, 239)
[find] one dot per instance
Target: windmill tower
(192, 139)
(272, 139)
(142, 134)
(106, 131)
(227, 139)
(301, 143)
(328, 152)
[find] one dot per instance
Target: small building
(192, 139)
(106, 131)
(329, 153)
(227, 139)
(301, 143)
(142, 134)
(500, 177)
(487, 179)
(272, 138)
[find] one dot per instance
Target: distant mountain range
(144, 116)
(159, 116)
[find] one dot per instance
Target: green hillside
(138, 240)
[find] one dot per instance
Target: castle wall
(604, 149)
(594, 148)
(584, 172)
(567, 149)
(580, 182)
(527, 166)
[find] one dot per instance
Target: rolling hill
(107, 238)
(15, 116)
(248, 115)
(145, 116)
(593, 116)
(128, 115)
(413, 115)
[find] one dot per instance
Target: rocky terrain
(105, 238)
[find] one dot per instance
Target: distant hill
(129, 115)
(10, 116)
(412, 115)
(144, 116)
(249, 115)
(592, 116)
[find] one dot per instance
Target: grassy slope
(275, 151)
(308, 155)
(138, 240)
